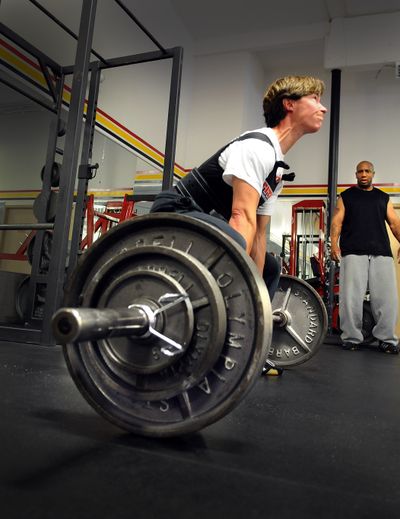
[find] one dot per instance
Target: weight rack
(37, 326)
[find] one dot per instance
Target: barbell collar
(280, 318)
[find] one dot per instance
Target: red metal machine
(99, 222)
(308, 251)
(309, 259)
(96, 224)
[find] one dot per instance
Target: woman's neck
(287, 136)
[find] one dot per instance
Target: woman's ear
(288, 104)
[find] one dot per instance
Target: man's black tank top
(364, 230)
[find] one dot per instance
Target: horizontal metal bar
(142, 27)
(131, 59)
(13, 257)
(13, 36)
(26, 91)
(62, 25)
(14, 333)
(27, 226)
(142, 198)
(138, 58)
(106, 217)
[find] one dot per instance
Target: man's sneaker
(387, 347)
(349, 346)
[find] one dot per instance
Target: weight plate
(22, 302)
(115, 394)
(45, 206)
(22, 298)
(142, 276)
(54, 175)
(304, 322)
(45, 256)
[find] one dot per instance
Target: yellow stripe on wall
(102, 119)
(292, 192)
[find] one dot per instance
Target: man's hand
(336, 253)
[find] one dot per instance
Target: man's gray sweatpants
(357, 274)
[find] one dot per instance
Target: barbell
(167, 324)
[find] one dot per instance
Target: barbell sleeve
(80, 324)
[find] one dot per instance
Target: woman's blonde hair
(289, 87)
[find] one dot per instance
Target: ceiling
(210, 18)
(286, 33)
(283, 32)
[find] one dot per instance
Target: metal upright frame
(58, 263)
(332, 186)
(64, 255)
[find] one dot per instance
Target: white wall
(370, 124)
(309, 157)
(136, 96)
(117, 165)
(255, 87)
(23, 147)
(221, 97)
(363, 40)
(23, 144)
(216, 112)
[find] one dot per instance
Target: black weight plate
(45, 206)
(45, 251)
(141, 276)
(307, 322)
(55, 174)
(246, 343)
(21, 298)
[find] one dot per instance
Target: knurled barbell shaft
(81, 324)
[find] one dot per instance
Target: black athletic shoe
(349, 346)
(387, 347)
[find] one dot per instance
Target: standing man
(366, 260)
(236, 189)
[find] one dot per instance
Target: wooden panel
(10, 241)
(395, 245)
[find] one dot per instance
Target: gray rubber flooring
(319, 442)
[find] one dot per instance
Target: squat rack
(37, 328)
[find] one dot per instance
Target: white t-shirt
(252, 160)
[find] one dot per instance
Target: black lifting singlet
(207, 188)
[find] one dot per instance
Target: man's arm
(394, 223)
(336, 229)
(244, 206)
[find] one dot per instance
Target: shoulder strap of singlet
(270, 182)
(251, 135)
(256, 135)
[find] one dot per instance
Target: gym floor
(319, 442)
